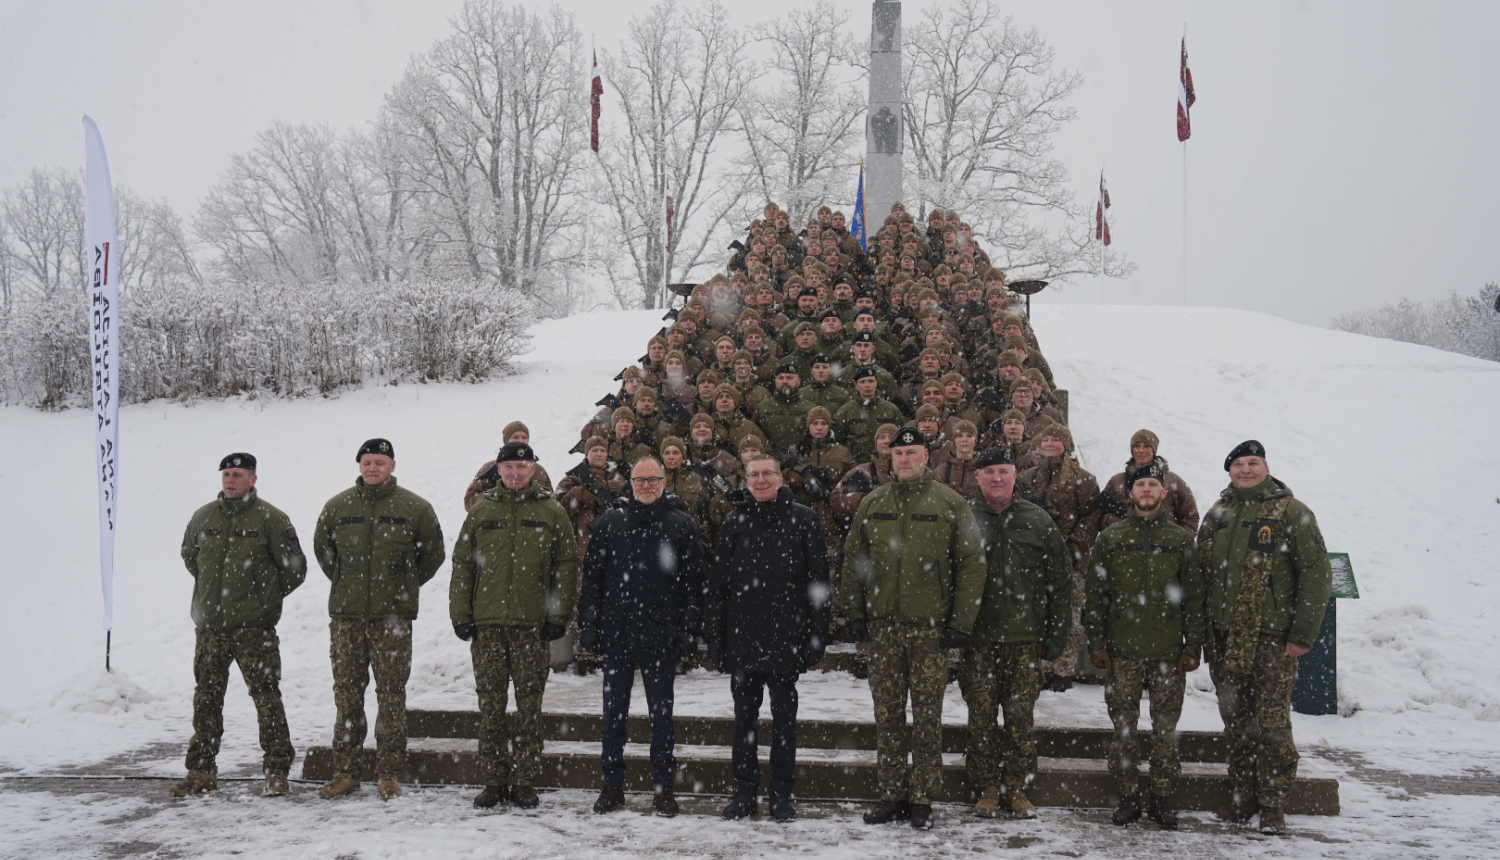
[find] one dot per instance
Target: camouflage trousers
(1066, 665)
(504, 656)
(1005, 678)
(1122, 696)
(258, 652)
(1257, 712)
(908, 659)
(358, 648)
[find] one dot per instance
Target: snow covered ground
(1390, 444)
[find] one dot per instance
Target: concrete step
(1053, 742)
(825, 773)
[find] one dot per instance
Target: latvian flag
(596, 89)
(1185, 96)
(1101, 211)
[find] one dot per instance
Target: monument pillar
(883, 121)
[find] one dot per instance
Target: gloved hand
(955, 638)
(1187, 663)
(464, 631)
(553, 632)
(813, 648)
(1100, 659)
(687, 643)
(588, 640)
(716, 655)
(857, 631)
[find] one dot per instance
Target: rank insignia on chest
(1261, 536)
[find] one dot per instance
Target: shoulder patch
(1318, 539)
(291, 538)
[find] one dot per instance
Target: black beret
(1247, 448)
(997, 456)
(907, 436)
(787, 367)
(382, 447)
(1152, 469)
(865, 311)
(238, 461)
(821, 358)
(864, 294)
(863, 337)
(516, 451)
(862, 372)
(831, 313)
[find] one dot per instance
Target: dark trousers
(658, 672)
(748, 688)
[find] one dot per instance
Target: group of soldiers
(824, 444)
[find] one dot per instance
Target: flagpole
(1184, 202)
(1101, 243)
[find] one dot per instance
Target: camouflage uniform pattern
(908, 658)
(504, 656)
(1004, 678)
(1257, 712)
(355, 649)
(258, 652)
(1122, 696)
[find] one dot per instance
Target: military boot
(1021, 805)
(611, 797)
(743, 805)
(524, 797)
(1159, 809)
(196, 782)
(887, 811)
(989, 803)
(1129, 810)
(1240, 809)
(276, 785)
(492, 796)
(388, 787)
(340, 785)
(665, 802)
(781, 808)
(1272, 821)
(921, 816)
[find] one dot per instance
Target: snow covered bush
(180, 339)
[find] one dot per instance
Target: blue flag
(857, 223)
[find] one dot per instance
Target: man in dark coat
(767, 616)
(641, 606)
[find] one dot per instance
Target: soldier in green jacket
(912, 581)
(1144, 617)
(378, 544)
(245, 558)
(515, 580)
(1024, 618)
(856, 421)
(1266, 571)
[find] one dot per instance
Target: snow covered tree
(44, 222)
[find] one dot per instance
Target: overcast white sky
(1343, 154)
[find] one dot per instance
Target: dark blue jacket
(643, 578)
(768, 593)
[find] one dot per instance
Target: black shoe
(742, 806)
(611, 797)
(1129, 810)
(524, 797)
(781, 807)
(1057, 683)
(921, 816)
(492, 796)
(1158, 809)
(860, 667)
(665, 802)
(887, 811)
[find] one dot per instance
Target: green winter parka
(515, 562)
(1301, 578)
(783, 418)
(1028, 591)
(914, 555)
(245, 558)
(1144, 591)
(378, 546)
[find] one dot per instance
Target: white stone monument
(883, 120)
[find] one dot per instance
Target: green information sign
(1343, 576)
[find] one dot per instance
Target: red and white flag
(670, 213)
(1185, 95)
(1101, 211)
(596, 89)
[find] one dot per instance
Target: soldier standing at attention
(515, 568)
(245, 559)
(912, 581)
(1266, 570)
(1024, 618)
(379, 544)
(1144, 617)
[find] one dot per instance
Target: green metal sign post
(1317, 688)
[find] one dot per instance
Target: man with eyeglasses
(641, 607)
